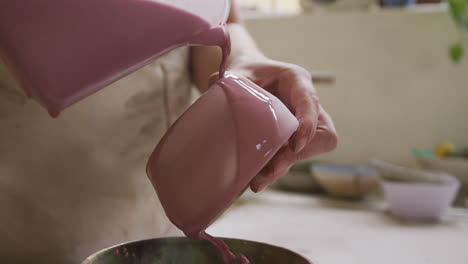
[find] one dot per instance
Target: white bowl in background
(421, 201)
(457, 167)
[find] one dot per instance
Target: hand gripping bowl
(183, 250)
(212, 152)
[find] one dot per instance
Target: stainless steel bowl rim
(111, 248)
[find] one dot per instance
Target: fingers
(303, 134)
(305, 105)
(214, 77)
(277, 167)
(296, 90)
(325, 140)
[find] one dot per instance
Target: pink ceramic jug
(61, 51)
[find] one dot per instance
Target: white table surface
(330, 231)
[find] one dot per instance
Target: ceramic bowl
(299, 179)
(346, 181)
(212, 152)
(456, 167)
(421, 200)
(182, 250)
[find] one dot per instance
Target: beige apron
(73, 185)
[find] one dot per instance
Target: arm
(290, 83)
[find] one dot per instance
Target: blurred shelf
(320, 10)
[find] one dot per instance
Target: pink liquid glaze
(61, 51)
(226, 50)
(226, 253)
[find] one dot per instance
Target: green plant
(459, 10)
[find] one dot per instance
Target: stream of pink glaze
(226, 253)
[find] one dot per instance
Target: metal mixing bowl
(180, 250)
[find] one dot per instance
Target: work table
(333, 231)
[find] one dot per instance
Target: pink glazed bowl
(212, 152)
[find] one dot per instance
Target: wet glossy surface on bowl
(182, 250)
(212, 152)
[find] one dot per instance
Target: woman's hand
(293, 86)
(290, 83)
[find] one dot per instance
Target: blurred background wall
(395, 86)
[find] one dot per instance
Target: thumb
(214, 77)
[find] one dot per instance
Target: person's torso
(77, 183)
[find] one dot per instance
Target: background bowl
(457, 167)
(421, 201)
(185, 251)
(346, 181)
(299, 179)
